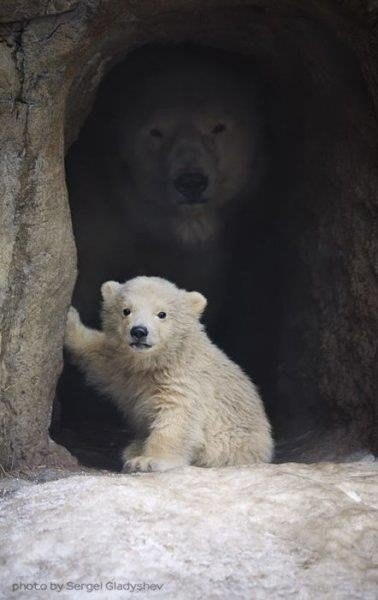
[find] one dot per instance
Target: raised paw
(72, 325)
(146, 464)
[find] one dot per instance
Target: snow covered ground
(272, 531)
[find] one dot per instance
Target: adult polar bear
(170, 155)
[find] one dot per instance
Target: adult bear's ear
(198, 302)
(109, 289)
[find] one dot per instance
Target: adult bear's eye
(126, 312)
(156, 133)
(219, 128)
(162, 315)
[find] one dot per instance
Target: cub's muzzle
(138, 332)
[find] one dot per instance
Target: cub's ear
(198, 302)
(109, 289)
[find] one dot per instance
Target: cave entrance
(288, 310)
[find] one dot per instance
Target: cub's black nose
(191, 185)
(138, 332)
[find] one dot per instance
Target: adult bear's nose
(191, 186)
(138, 332)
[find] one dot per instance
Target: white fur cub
(189, 403)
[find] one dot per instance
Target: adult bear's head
(187, 138)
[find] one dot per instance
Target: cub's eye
(126, 312)
(156, 133)
(162, 315)
(219, 128)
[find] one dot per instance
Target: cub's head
(189, 140)
(149, 315)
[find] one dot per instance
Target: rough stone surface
(276, 531)
(52, 58)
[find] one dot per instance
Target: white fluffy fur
(189, 403)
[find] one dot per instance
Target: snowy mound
(273, 531)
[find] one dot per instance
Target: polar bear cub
(187, 401)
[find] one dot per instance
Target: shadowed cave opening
(279, 265)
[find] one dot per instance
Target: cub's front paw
(147, 464)
(72, 326)
(133, 450)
